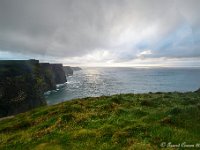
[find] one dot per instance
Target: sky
(102, 32)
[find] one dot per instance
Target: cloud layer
(100, 31)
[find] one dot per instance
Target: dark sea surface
(107, 81)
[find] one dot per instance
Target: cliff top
(126, 121)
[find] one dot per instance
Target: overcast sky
(102, 32)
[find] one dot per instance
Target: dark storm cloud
(122, 29)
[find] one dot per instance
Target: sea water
(108, 81)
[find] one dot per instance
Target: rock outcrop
(58, 73)
(48, 76)
(53, 74)
(23, 82)
(68, 70)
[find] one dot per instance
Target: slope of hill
(126, 121)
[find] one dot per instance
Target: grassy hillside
(126, 121)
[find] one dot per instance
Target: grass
(125, 121)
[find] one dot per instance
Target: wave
(60, 85)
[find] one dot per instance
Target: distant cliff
(23, 82)
(53, 74)
(58, 73)
(68, 70)
(76, 68)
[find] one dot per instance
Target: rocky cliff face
(23, 82)
(68, 70)
(58, 73)
(48, 76)
(53, 74)
(19, 94)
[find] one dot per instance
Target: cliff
(48, 76)
(58, 73)
(76, 68)
(21, 86)
(68, 70)
(23, 82)
(13, 68)
(53, 74)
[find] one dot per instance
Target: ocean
(108, 81)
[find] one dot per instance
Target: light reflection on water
(108, 81)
